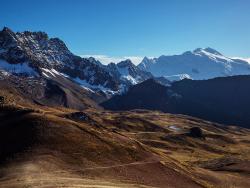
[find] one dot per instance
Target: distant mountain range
(44, 70)
(199, 64)
(35, 54)
(224, 100)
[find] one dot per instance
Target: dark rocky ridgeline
(40, 52)
(31, 61)
(147, 95)
(134, 71)
(224, 100)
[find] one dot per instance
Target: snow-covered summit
(212, 54)
(201, 63)
(207, 50)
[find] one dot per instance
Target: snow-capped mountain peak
(147, 60)
(126, 63)
(212, 54)
(207, 50)
(33, 53)
(128, 72)
(202, 63)
(146, 63)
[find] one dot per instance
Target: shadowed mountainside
(224, 100)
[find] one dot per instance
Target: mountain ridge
(43, 54)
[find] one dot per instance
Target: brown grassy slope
(54, 92)
(47, 141)
(51, 147)
(219, 159)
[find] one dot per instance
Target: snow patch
(91, 88)
(55, 72)
(45, 75)
(130, 79)
(126, 76)
(177, 77)
(52, 72)
(20, 68)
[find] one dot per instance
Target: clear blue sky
(136, 27)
